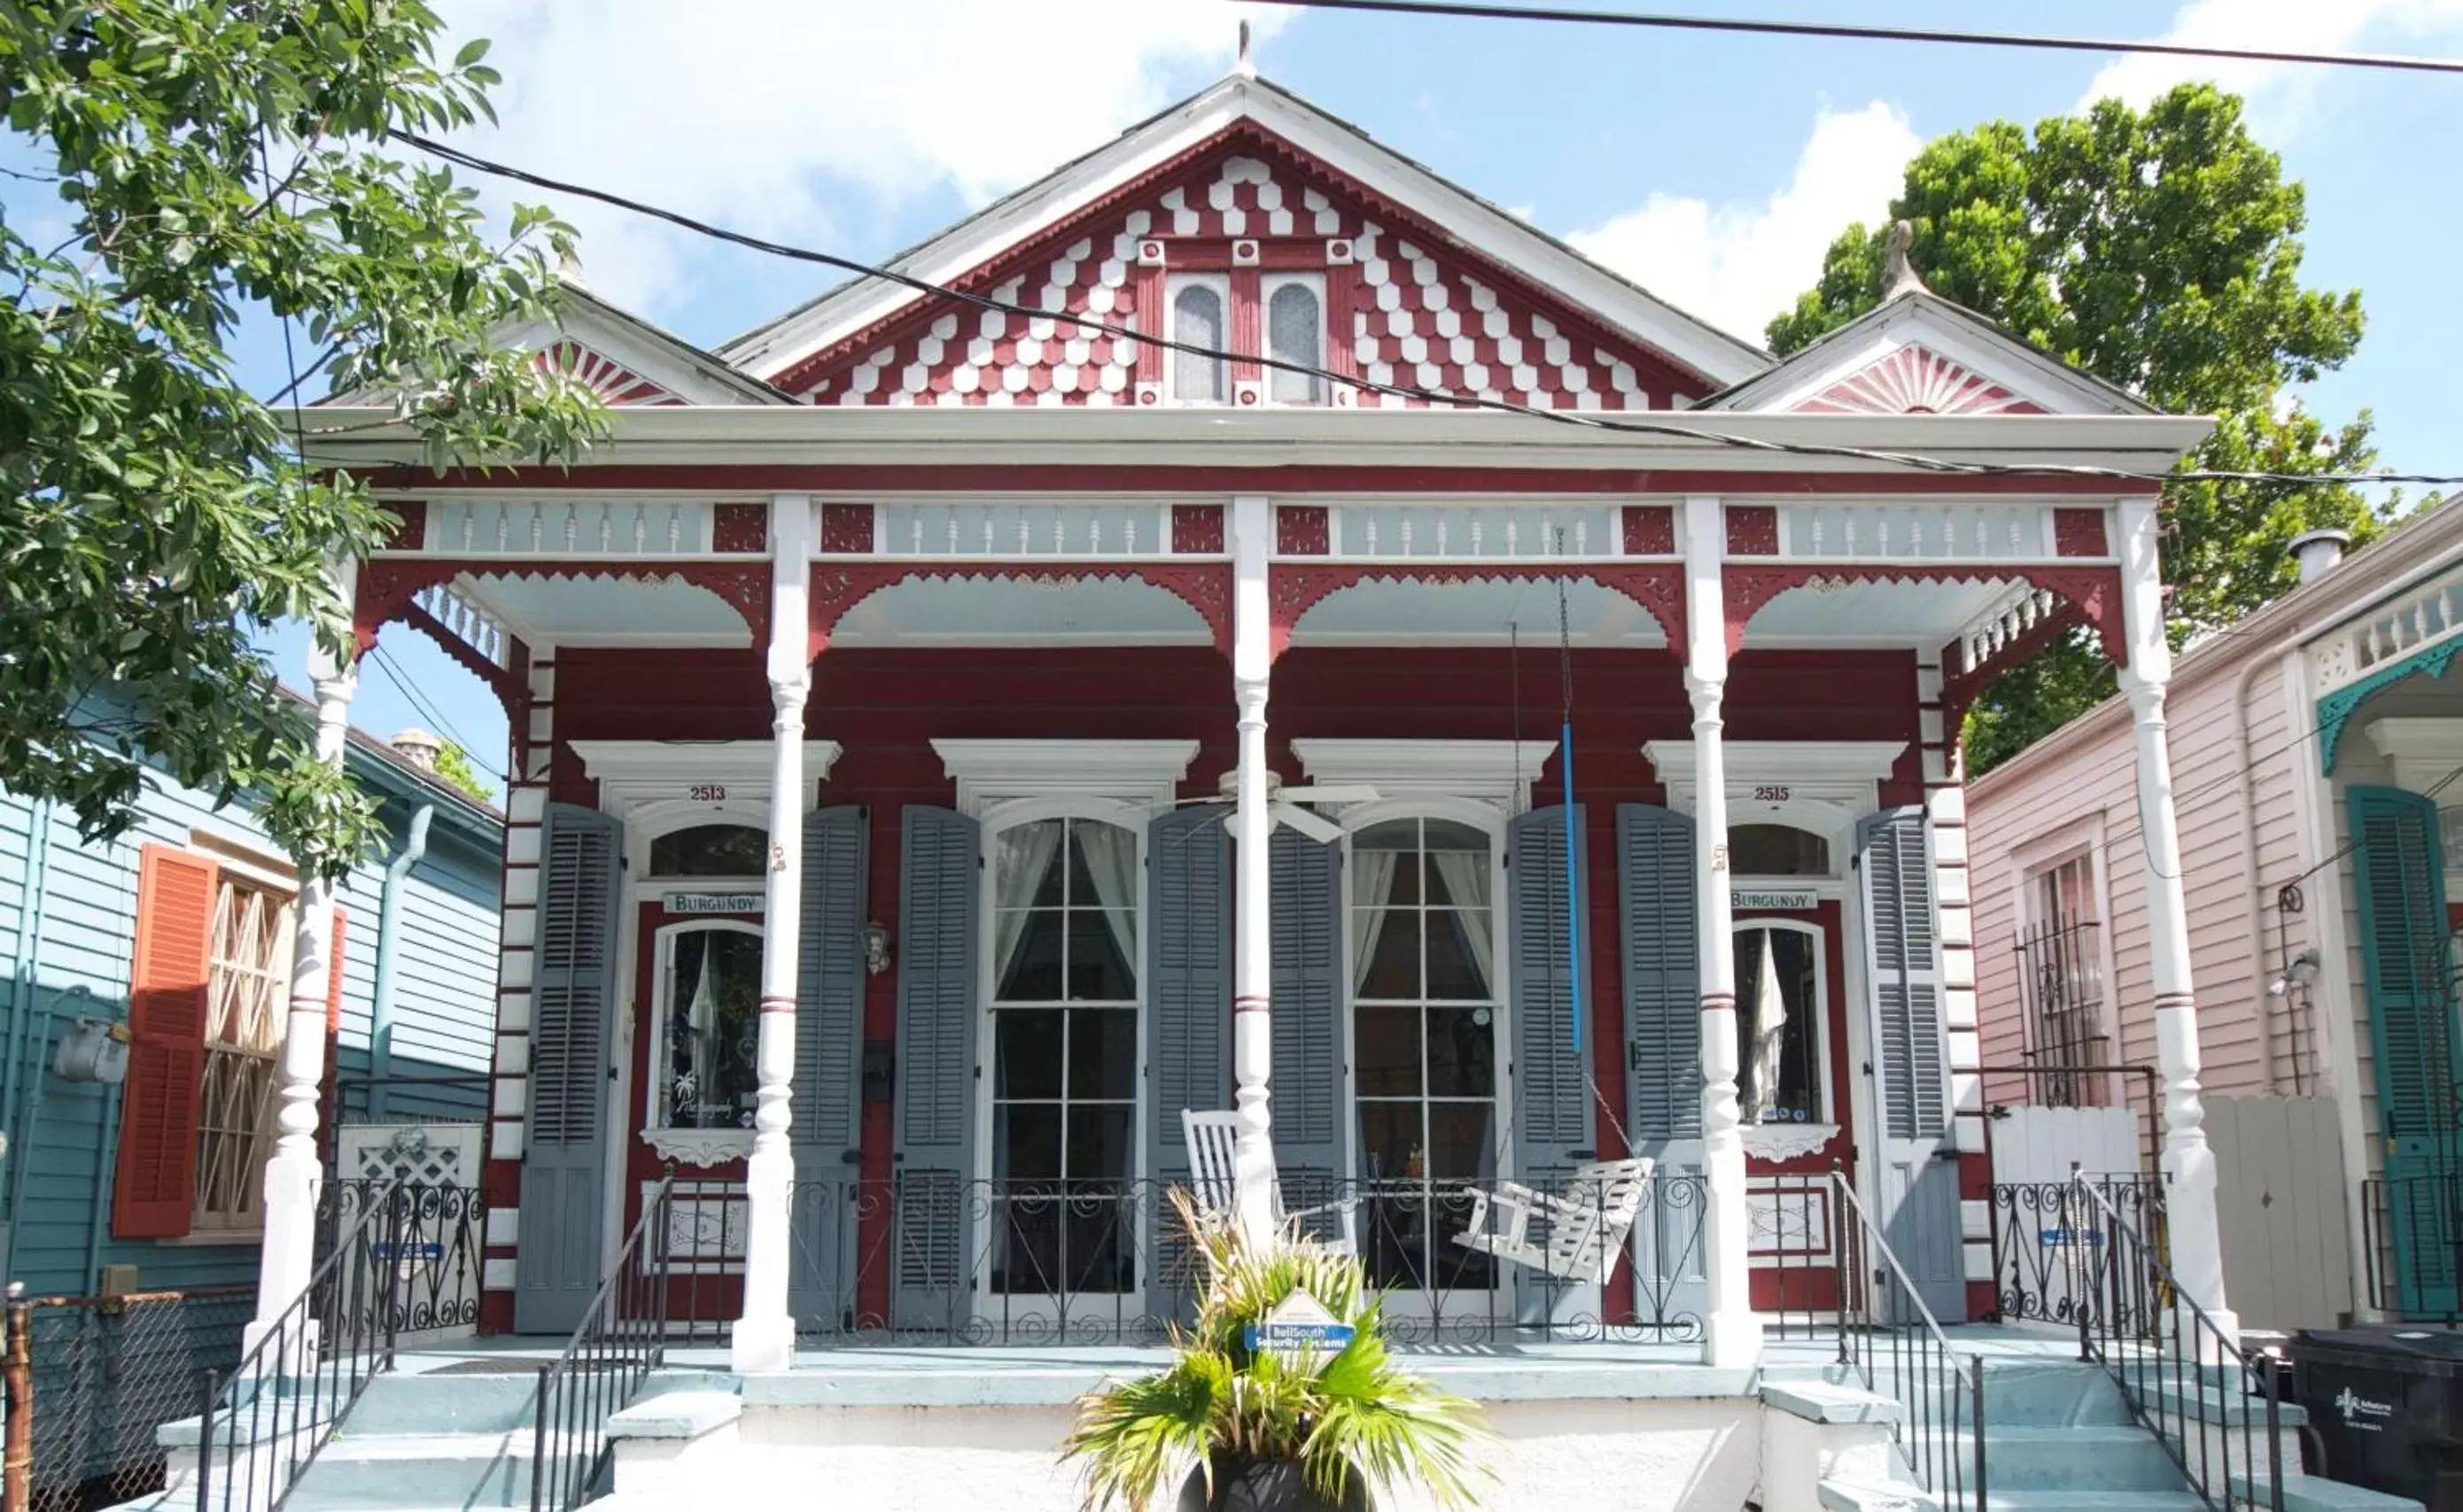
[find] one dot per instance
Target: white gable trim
(1934, 325)
(1475, 225)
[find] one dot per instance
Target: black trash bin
(2387, 1405)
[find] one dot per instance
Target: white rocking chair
(1585, 1227)
(1210, 1137)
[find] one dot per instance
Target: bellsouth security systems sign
(1300, 1334)
(1766, 899)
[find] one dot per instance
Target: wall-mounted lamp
(2301, 973)
(875, 947)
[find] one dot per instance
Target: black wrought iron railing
(1026, 1261)
(1893, 1342)
(392, 1253)
(2216, 1410)
(622, 1337)
(2413, 1252)
(2049, 1242)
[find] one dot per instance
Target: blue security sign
(2052, 1236)
(1300, 1334)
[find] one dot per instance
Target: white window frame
(1268, 288)
(1489, 816)
(1789, 1140)
(1172, 285)
(1009, 816)
(2030, 862)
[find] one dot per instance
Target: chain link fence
(107, 1371)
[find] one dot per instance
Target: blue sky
(1713, 168)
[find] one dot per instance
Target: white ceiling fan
(1284, 805)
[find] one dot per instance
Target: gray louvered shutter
(1189, 1035)
(1918, 1183)
(1663, 977)
(1310, 1129)
(936, 1063)
(829, 1044)
(1906, 977)
(1550, 1086)
(573, 1010)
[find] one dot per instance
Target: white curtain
(1372, 884)
(1112, 861)
(1464, 875)
(1767, 1019)
(1022, 857)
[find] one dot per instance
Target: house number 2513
(1771, 793)
(706, 793)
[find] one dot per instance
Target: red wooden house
(951, 739)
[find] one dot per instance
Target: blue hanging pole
(1573, 885)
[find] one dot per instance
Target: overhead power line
(1626, 424)
(1852, 31)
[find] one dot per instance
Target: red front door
(696, 1004)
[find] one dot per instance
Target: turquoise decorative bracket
(2336, 708)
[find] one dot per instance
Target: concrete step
(389, 1472)
(2073, 1458)
(2092, 1502)
(444, 1404)
(2218, 1404)
(2052, 1393)
(1875, 1496)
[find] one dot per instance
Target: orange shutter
(154, 1189)
(329, 1087)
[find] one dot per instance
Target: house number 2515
(706, 793)
(1771, 793)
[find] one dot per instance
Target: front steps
(2059, 1437)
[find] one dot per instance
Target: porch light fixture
(2303, 972)
(875, 947)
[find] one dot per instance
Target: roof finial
(1245, 68)
(1898, 273)
(568, 268)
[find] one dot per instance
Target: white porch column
(1732, 1335)
(764, 1336)
(1251, 536)
(2195, 1240)
(294, 1171)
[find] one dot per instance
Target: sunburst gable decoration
(1915, 380)
(611, 380)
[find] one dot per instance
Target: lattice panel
(423, 1154)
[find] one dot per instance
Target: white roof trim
(1479, 226)
(636, 777)
(626, 340)
(1937, 326)
(991, 772)
(1491, 769)
(1799, 763)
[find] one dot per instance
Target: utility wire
(1586, 419)
(1853, 32)
(417, 700)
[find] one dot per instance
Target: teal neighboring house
(179, 933)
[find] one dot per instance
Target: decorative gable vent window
(1295, 332)
(1201, 308)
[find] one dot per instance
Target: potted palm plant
(1266, 1428)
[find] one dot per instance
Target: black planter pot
(1271, 1486)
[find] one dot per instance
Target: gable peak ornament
(1899, 274)
(1244, 65)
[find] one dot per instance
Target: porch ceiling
(1021, 612)
(608, 610)
(1485, 613)
(1924, 614)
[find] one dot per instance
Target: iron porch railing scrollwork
(2217, 1411)
(1047, 1262)
(622, 1337)
(388, 1249)
(2047, 1242)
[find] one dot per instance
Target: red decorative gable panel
(1403, 306)
(614, 383)
(1913, 381)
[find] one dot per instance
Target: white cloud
(753, 112)
(1738, 262)
(2278, 93)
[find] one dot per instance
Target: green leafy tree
(197, 164)
(2159, 251)
(453, 764)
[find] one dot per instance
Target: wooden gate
(2280, 1202)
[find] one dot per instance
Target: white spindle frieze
(1915, 532)
(1033, 529)
(568, 527)
(2429, 614)
(1472, 531)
